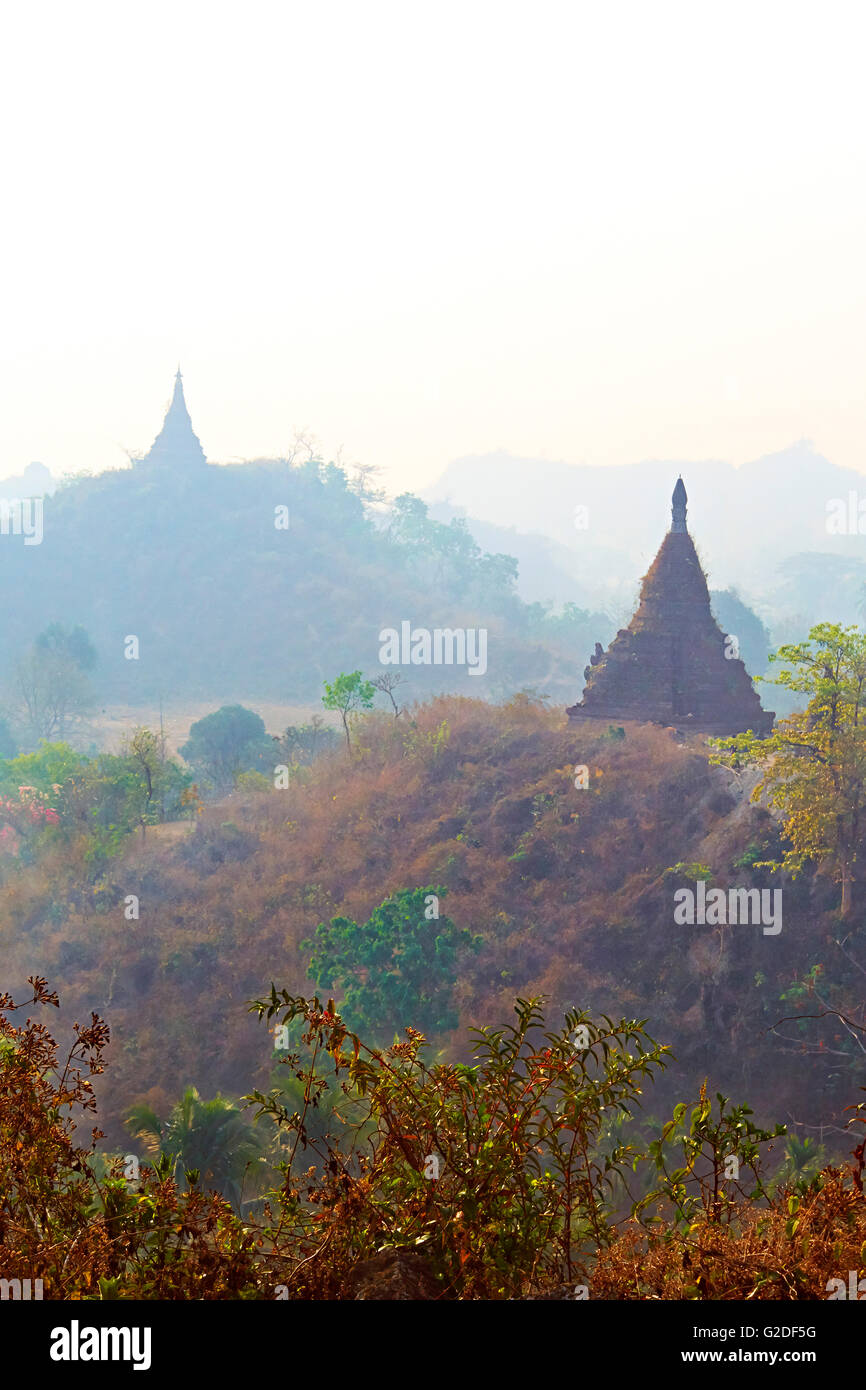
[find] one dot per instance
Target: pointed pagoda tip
(678, 506)
(177, 443)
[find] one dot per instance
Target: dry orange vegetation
(565, 886)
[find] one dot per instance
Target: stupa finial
(678, 507)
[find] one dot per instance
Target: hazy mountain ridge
(225, 602)
(747, 522)
(35, 481)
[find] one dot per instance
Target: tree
(210, 1142)
(74, 645)
(386, 684)
(301, 743)
(145, 751)
(157, 783)
(814, 762)
(104, 799)
(400, 964)
(48, 767)
(229, 741)
(489, 1169)
(803, 1159)
(51, 685)
(363, 483)
(408, 523)
(349, 694)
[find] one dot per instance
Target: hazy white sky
(586, 231)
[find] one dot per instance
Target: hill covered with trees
(263, 579)
(529, 884)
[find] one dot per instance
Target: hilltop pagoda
(177, 446)
(669, 666)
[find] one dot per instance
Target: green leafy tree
(140, 785)
(209, 1142)
(400, 964)
(814, 762)
(147, 751)
(804, 1159)
(348, 695)
(719, 1157)
(222, 744)
(49, 766)
(103, 799)
(492, 1169)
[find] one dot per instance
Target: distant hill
(551, 572)
(746, 522)
(229, 596)
(35, 481)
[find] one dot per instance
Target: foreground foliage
(87, 1237)
(519, 1175)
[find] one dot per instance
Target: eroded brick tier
(669, 665)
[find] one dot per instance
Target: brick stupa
(669, 665)
(177, 447)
